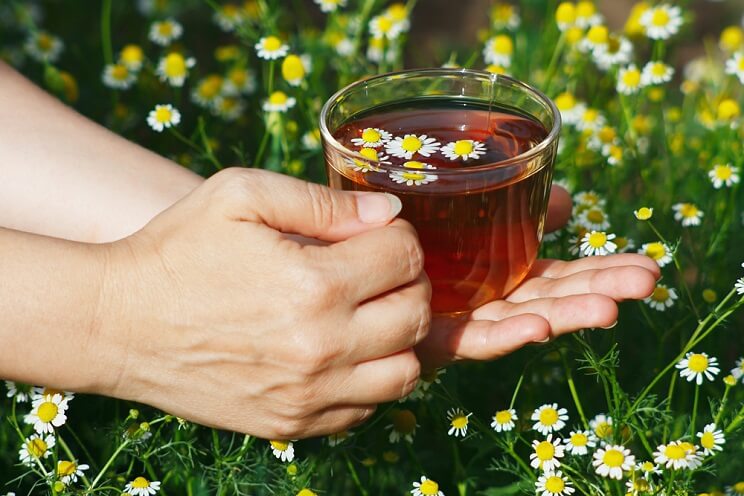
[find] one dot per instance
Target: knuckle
(315, 287)
(288, 428)
(324, 205)
(413, 372)
(414, 254)
(424, 321)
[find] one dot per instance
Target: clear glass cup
(481, 225)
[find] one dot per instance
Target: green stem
(553, 64)
(108, 464)
(355, 476)
(574, 393)
(737, 420)
(527, 469)
(723, 405)
(516, 390)
(670, 395)
(108, 54)
(694, 411)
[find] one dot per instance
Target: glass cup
(480, 225)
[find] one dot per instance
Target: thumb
(293, 206)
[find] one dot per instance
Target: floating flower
(662, 298)
(504, 420)
(656, 73)
(118, 76)
(371, 154)
(545, 454)
(383, 26)
(672, 455)
(69, 471)
(458, 420)
(47, 413)
(403, 426)
(164, 32)
(499, 50)
(372, 137)
(43, 47)
(549, 418)
(597, 243)
(723, 174)
(657, 251)
(21, 392)
(612, 460)
(35, 448)
(426, 487)
(278, 101)
(579, 442)
(696, 365)
(283, 450)
(228, 17)
(662, 21)
(142, 487)
(174, 68)
(132, 57)
(293, 70)
(629, 80)
(271, 48)
(415, 177)
(602, 426)
(327, 6)
(163, 116)
(553, 484)
(687, 213)
(711, 440)
(411, 144)
(735, 66)
(464, 149)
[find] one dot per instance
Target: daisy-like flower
(591, 120)
(283, 450)
(624, 244)
(239, 81)
(21, 392)
(499, 50)
(661, 22)
(118, 76)
(735, 66)
(271, 48)
(372, 137)
(688, 214)
(164, 32)
(278, 101)
(629, 80)
(340, 43)
(311, 140)
(571, 109)
(416, 177)
(207, 90)
(723, 175)
(464, 149)
(459, 421)
(594, 218)
(739, 286)
(428, 378)
(35, 448)
(658, 251)
(735, 490)
(545, 454)
(648, 468)
(142, 487)
(43, 47)
(376, 50)
(411, 144)
(505, 16)
(696, 365)
(738, 372)
(612, 460)
(426, 487)
(174, 68)
(579, 442)
(694, 459)
(597, 243)
(338, 438)
(549, 418)
(597, 36)
(662, 298)
(39, 392)
(553, 484)
(656, 73)
(132, 57)
(327, 6)
(403, 426)
(711, 440)
(565, 15)
(69, 471)
(614, 154)
(384, 26)
(229, 108)
(293, 70)
(371, 154)
(617, 51)
(589, 199)
(637, 485)
(504, 420)
(163, 116)
(47, 413)
(228, 17)
(587, 15)
(601, 425)
(672, 455)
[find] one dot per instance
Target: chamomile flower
(410, 145)
(338, 438)
(174, 68)
(426, 487)
(371, 154)
(545, 454)
(565, 15)
(239, 81)
(613, 153)
(687, 213)
(637, 486)
(735, 66)
(341, 44)
(163, 33)
(376, 50)
(311, 140)
(132, 57)
(656, 73)
(661, 22)
(163, 116)
(657, 251)
(589, 199)
(662, 298)
(327, 6)
(672, 456)
(695, 366)
(711, 440)
(140, 486)
(384, 26)
(612, 460)
(739, 286)
(68, 471)
(293, 70)
(458, 421)
(504, 420)
(597, 37)
(629, 80)
(43, 47)
(283, 450)
(271, 48)
(579, 442)
(648, 468)
(591, 120)
(39, 392)
(278, 101)
(416, 177)
(207, 90)
(587, 15)
(428, 378)
(553, 484)
(601, 425)
(594, 218)
(47, 413)
(21, 392)
(499, 50)
(505, 16)
(228, 17)
(372, 137)
(723, 175)
(597, 243)
(736, 489)
(571, 109)
(403, 426)
(549, 418)
(229, 108)
(738, 372)
(118, 76)
(617, 51)
(464, 149)
(35, 448)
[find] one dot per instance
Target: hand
(220, 318)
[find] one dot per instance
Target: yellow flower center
(503, 417)
(404, 421)
(369, 153)
(210, 87)
(165, 29)
(597, 239)
(44, 42)
(707, 440)
(279, 445)
(119, 72)
(591, 115)
(658, 69)
(140, 482)
(65, 468)
(596, 216)
(660, 294)
(238, 77)
(613, 458)
(660, 17)
(603, 430)
(502, 12)
(698, 363)
(163, 115)
(397, 12)
(585, 9)
(131, 54)
(688, 210)
(732, 38)
(384, 24)
(412, 144)
(565, 13)
(548, 416)
(647, 466)
(739, 487)
(47, 411)
(554, 484)
(175, 65)
(728, 109)
(272, 44)
(429, 487)
(391, 456)
(36, 447)
(632, 78)
(723, 172)
(574, 35)
(565, 101)
(292, 68)
(579, 439)
(306, 492)
(230, 11)
(616, 152)
(674, 452)
(278, 98)
(459, 421)
(741, 64)
(655, 250)
(463, 147)
(496, 69)
(502, 45)
(545, 451)
(370, 135)
(598, 35)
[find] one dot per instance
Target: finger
(395, 321)
(559, 268)
(566, 314)
(619, 283)
(378, 381)
(480, 339)
(559, 208)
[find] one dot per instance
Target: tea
(480, 231)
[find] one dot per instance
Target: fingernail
(373, 208)
(542, 341)
(610, 326)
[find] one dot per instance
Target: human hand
(220, 318)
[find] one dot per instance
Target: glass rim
(535, 151)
